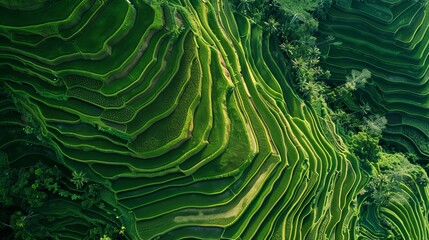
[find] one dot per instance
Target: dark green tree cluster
(393, 171)
(24, 191)
(29, 187)
(295, 24)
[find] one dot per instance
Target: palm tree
(288, 48)
(79, 179)
(374, 124)
(244, 5)
(298, 63)
(271, 25)
(365, 108)
(358, 79)
(256, 16)
(312, 88)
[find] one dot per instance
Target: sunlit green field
(201, 119)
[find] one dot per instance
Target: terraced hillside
(183, 112)
(390, 39)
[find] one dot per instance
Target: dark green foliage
(394, 170)
(91, 196)
(365, 146)
(350, 111)
(394, 183)
(29, 227)
(28, 187)
(338, 94)
(24, 192)
(382, 188)
(107, 232)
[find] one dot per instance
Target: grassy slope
(184, 113)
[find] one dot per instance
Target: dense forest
(204, 119)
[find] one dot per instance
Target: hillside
(167, 119)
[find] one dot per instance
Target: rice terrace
(214, 119)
